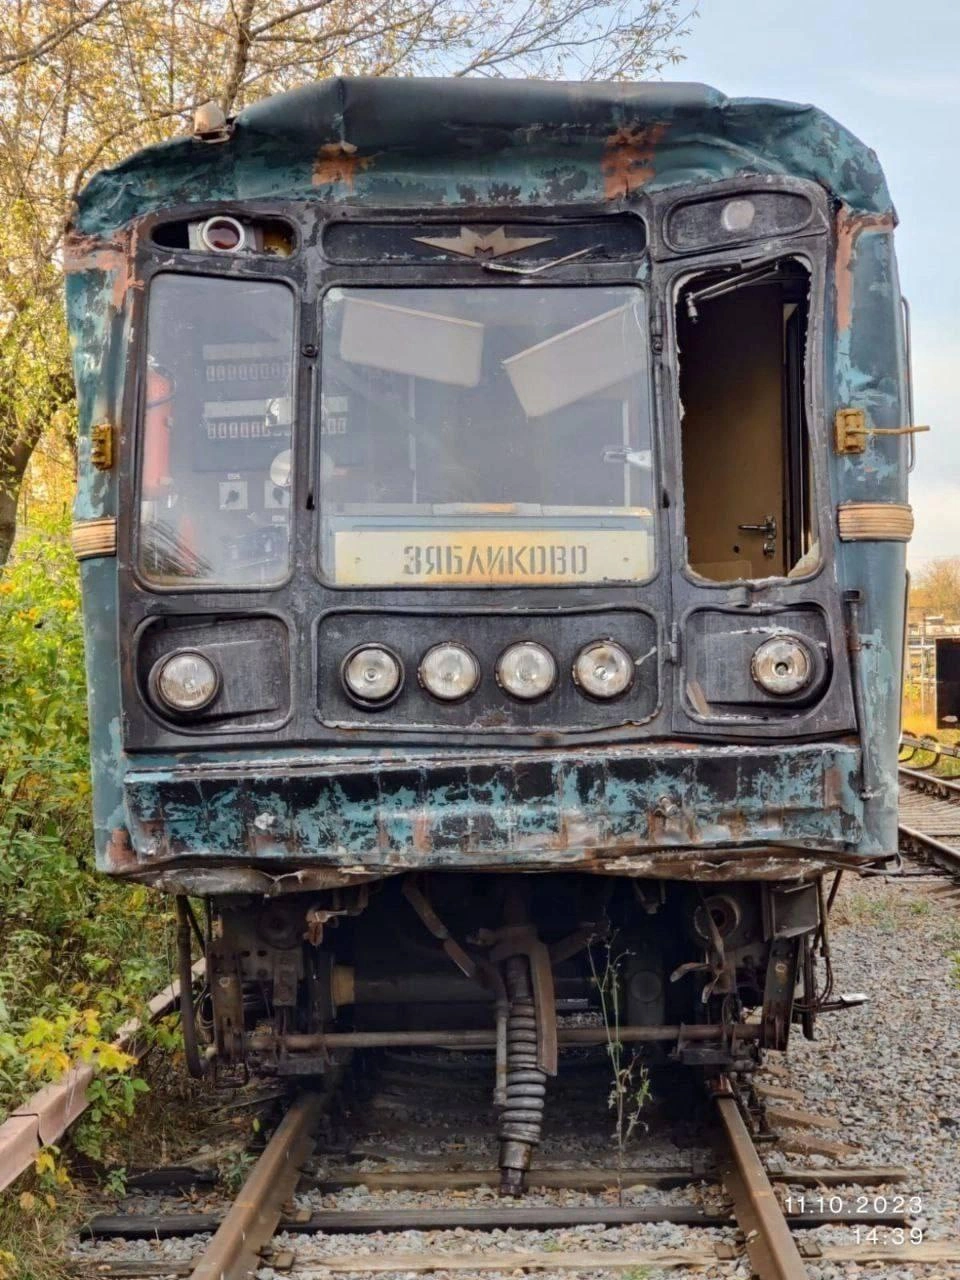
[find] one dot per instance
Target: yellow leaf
(91, 1021)
(111, 1059)
(45, 1162)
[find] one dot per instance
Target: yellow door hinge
(101, 446)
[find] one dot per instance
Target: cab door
(731, 361)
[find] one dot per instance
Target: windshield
(485, 435)
(218, 408)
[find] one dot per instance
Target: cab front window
(486, 435)
(216, 432)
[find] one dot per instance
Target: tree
(935, 590)
(85, 82)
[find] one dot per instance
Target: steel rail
(918, 780)
(771, 1248)
(252, 1219)
(944, 855)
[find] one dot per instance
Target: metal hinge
(101, 446)
(673, 644)
(656, 330)
(851, 431)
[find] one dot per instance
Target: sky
(890, 72)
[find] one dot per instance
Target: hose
(521, 1119)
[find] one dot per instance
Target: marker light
(526, 670)
(185, 681)
(449, 671)
(738, 215)
(372, 673)
(603, 669)
(782, 665)
(223, 234)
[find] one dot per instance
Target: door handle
(769, 527)
(769, 531)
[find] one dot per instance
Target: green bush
(79, 951)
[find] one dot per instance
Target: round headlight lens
(372, 673)
(603, 669)
(449, 671)
(222, 234)
(186, 681)
(526, 670)
(782, 665)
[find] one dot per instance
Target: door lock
(769, 531)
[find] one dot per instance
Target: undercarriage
(663, 971)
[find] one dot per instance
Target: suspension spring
(522, 1116)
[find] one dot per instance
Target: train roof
(466, 142)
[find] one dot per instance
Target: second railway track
(929, 805)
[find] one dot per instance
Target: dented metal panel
(339, 807)
(420, 142)
(546, 811)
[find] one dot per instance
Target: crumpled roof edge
(367, 139)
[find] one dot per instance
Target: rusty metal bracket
(573, 943)
(851, 431)
(424, 909)
(101, 446)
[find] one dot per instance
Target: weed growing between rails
(630, 1085)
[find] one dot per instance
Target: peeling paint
(628, 159)
(586, 805)
(499, 141)
(337, 164)
(850, 226)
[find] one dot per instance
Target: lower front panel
(523, 810)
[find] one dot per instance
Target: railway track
(730, 1189)
(929, 804)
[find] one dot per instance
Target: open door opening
(748, 488)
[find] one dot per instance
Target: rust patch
(627, 161)
(850, 226)
(89, 253)
(119, 851)
(422, 840)
(338, 163)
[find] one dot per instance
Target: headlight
(449, 671)
(185, 681)
(372, 673)
(603, 669)
(526, 670)
(223, 234)
(782, 665)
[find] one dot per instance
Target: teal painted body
(220, 818)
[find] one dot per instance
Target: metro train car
(492, 515)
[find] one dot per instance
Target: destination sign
(487, 557)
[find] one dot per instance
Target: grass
(863, 908)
